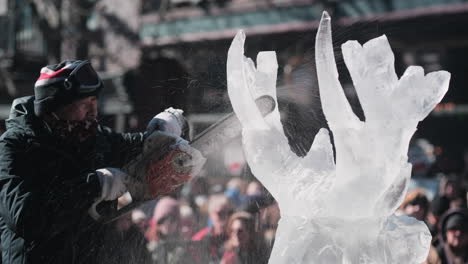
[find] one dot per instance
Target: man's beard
(76, 131)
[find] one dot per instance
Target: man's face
(220, 216)
(239, 234)
(457, 238)
(169, 225)
(79, 110)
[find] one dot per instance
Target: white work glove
(112, 187)
(171, 121)
(112, 183)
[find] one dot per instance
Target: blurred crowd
(446, 216)
(228, 222)
(235, 222)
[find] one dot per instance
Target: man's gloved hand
(112, 187)
(171, 121)
(166, 163)
(112, 183)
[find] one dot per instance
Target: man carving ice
(56, 161)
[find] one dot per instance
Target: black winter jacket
(47, 187)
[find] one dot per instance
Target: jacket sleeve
(33, 210)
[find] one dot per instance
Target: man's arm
(126, 146)
(31, 210)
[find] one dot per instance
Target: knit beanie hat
(63, 83)
(453, 219)
(457, 221)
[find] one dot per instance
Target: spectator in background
(254, 188)
(416, 204)
(235, 190)
(256, 198)
(453, 248)
(163, 234)
(432, 257)
(259, 204)
(220, 208)
(458, 202)
(195, 194)
(422, 155)
(244, 244)
(450, 188)
(455, 192)
(125, 243)
(187, 222)
(438, 207)
(269, 218)
(139, 218)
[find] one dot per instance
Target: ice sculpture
(341, 213)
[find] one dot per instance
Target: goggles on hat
(83, 79)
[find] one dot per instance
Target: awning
(288, 19)
(210, 27)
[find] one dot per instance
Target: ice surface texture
(343, 212)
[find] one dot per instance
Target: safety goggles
(83, 79)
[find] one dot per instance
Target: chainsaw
(160, 156)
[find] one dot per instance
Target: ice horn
(334, 103)
(240, 78)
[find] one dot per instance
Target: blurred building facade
(197, 35)
(160, 53)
